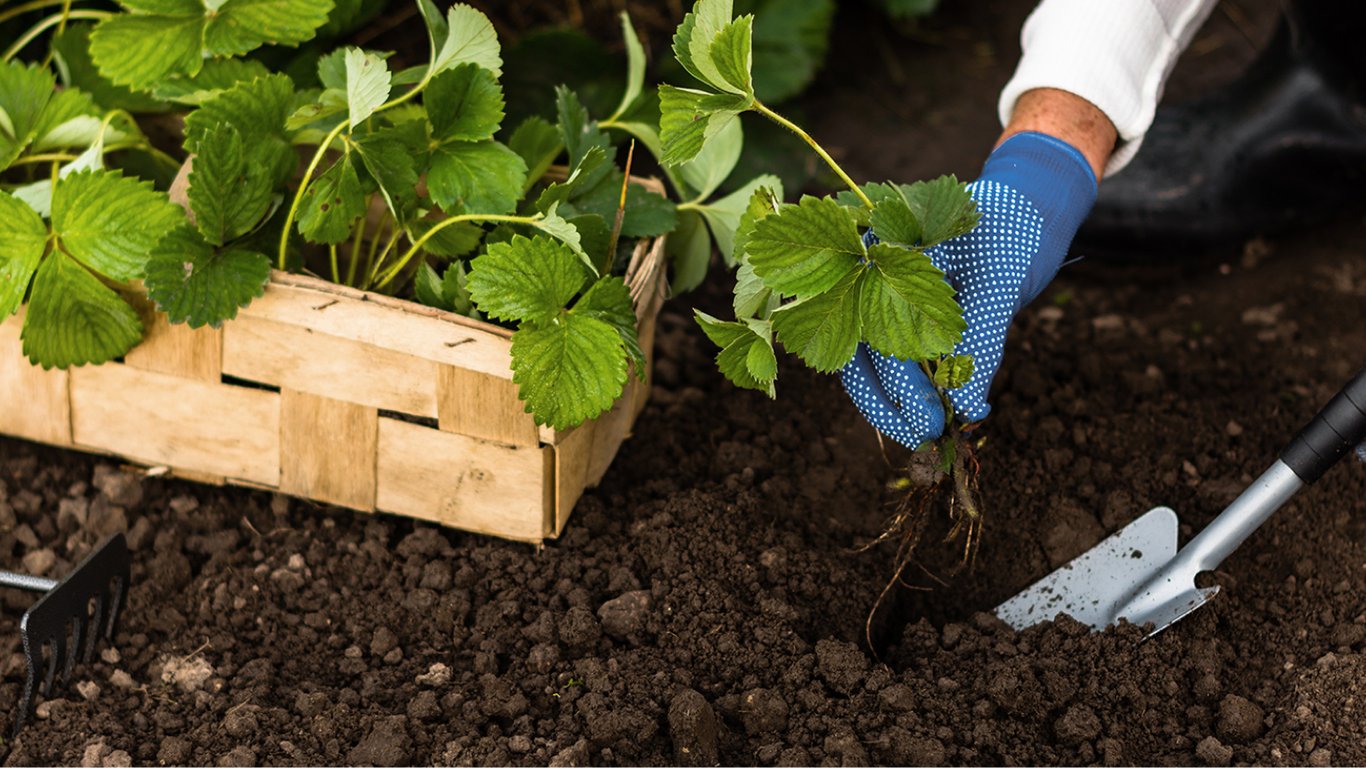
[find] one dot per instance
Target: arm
(1114, 55)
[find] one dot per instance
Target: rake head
(71, 618)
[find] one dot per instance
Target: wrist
(1067, 117)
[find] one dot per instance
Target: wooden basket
(344, 397)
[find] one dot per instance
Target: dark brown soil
(707, 604)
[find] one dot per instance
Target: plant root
(912, 515)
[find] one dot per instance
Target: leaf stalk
(816, 147)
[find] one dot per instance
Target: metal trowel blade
(1094, 587)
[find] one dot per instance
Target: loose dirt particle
(1240, 720)
(842, 665)
(1213, 752)
(692, 729)
(625, 615)
(1079, 724)
(763, 711)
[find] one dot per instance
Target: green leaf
(823, 330)
(196, 284)
(648, 214)
(467, 36)
(258, 110)
(23, 239)
(368, 81)
(555, 225)
(74, 319)
(570, 370)
(907, 307)
(138, 51)
(609, 300)
(526, 279)
(109, 222)
(766, 201)
(228, 193)
(805, 249)
(332, 203)
(953, 371)
(706, 172)
(71, 53)
(746, 357)
(732, 53)
(390, 162)
(635, 66)
(752, 297)
(71, 120)
(157, 40)
(688, 119)
(480, 177)
(944, 208)
(241, 26)
(694, 39)
(428, 288)
(538, 143)
(723, 216)
(24, 93)
(895, 223)
(216, 76)
(577, 130)
(689, 251)
(464, 103)
(455, 289)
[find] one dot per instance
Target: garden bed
(714, 570)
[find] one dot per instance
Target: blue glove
(1033, 194)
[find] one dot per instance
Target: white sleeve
(1116, 54)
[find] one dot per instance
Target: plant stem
(45, 24)
(24, 8)
(412, 251)
(817, 148)
(355, 251)
(303, 185)
(332, 260)
(322, 150)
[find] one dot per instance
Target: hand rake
(71, 617)
(1139, 575)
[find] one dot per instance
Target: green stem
(322, 150)
(46, 24)
(20, 10)
(332, 260)
(413, 250)
(806, 137)
(373, 273)
(303, 185)
(355, 251)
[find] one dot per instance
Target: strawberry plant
(808, 278)
(402, 181)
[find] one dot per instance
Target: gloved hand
(1033, 194)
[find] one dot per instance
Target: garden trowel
(1140, 576)
(73, 615)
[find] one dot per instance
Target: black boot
(1283, 146)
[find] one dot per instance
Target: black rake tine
(73, 650)
(95, 624)
(53, 651)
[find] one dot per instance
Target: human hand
(1033, 194)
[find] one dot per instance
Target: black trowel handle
(1334, 432)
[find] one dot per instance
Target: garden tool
(71, 617)
(1139, 575)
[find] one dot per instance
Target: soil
(707, 603)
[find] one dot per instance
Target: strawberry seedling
(405, 182)
(807, 277)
